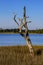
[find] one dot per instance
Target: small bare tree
(25, 35)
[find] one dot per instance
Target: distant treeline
(40, 31)
(9, 30)
(17, 31)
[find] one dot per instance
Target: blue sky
(34, 10)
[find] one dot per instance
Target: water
(17, 39)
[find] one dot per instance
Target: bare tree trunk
(25, 35)
(31, 50)
(29, 44)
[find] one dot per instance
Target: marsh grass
(19, 55)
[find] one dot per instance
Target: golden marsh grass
(19, 55)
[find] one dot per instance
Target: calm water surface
(17, 39)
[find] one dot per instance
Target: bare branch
(15, 20)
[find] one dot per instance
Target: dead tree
(25, 35)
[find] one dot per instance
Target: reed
(19, 55)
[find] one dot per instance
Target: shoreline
(35, 46)
(17, 33)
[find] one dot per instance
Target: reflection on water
(17, 39)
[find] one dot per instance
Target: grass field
(19, 55)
